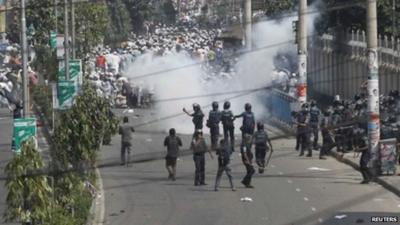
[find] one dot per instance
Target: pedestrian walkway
(390, 182)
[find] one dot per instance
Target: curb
(387, 185)
(97, 210)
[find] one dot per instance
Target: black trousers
(327, 145)
(260, 157)
(366, 174)
(249, 169)
(223, 165)
(125, 149)
(199, 163)
(305, 142)
(214, 135)
(315, 132)
(229, 135)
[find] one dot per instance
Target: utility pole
(394, 30)
(25, 91)
(73, 28)
(66, 40)
(56, 15)
(247, 23)
(373, 82)
(302, 52)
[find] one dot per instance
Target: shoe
(364, 182)
(233, 189)
(260, 170)
(301, 154)
(243, 183)
(308, 155)
(170, 177)
(173, 178)
(215, 189)
(203, 184)
(196, 184)
(122, 164)
(249, 186)
(323, 158)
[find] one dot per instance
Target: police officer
(294, 120)
(314, 121)
(247, 129)
(214, 117)
(365, 157)
(327, 140)
(262, 145)
(199, 148)
(224, 152)
(303, 130)
(227, 119)
(198, 117)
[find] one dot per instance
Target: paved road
(290, 192)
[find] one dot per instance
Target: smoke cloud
(254, 70)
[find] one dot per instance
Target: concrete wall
(337, 64)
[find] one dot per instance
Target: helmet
(260, 126)
(172, 131)
(313, 103)
(304, 106)
(227, 105)
(196, 107)
(247, 106)
(215, 105)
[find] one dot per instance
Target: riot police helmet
(313, 103)
(215, 105)
(304, 106)
(260, 126)
(196, 107)
(172, 132)
(227, 105)
(247, 107)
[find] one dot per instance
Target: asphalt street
(292, 191)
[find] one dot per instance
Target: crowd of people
(109, 68)
(344, 126)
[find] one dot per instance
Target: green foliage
(91, 24)
(277, 7)
(169, 12)
(41, 16)
(119, 26)
(355, 17)
(29, 196)
(141, 11)
(45, 62)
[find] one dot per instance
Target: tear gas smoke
(254, 70)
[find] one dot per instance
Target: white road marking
(280, 173)
(298, 189)
(398, 205)
(320, 220)
(149, 140)
(339, 217)
(290, 181)
(378, 200)
(306, 199)
(273, 166)
(313, 209)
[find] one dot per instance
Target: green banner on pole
(75, 70)
(66, 92)
(23, 129)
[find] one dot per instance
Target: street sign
(75, 70)
(53, 40)
(24, 128)
(66, 92)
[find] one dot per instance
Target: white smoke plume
(254, 70)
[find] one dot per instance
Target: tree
(119, 26)
(92, 20)
(29, 195)
(40, 15)
(169, 12)
(354, 17)
(141, 11)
